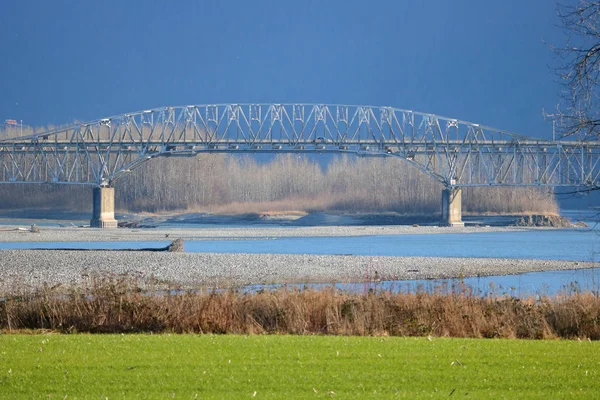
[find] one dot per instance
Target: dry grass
(119, 305)
(297, 206)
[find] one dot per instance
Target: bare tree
(578, 112)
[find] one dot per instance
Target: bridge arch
(454, 152)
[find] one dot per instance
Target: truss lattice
(456, 153)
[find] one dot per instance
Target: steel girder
(456, 153)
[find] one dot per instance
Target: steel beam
(454, 152)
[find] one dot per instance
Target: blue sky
(481, 61)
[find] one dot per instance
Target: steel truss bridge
(454, 152)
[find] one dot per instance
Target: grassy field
(276, 366)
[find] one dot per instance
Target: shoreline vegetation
(230, 184)
(120, 305)
(371, 191)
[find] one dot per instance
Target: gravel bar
(33, 268)
(73, 234)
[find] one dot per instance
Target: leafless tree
(578, 112)
(286, 183)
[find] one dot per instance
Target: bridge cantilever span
(454, 152)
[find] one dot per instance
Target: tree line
(229, 183)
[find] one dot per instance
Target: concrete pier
(103, 215)
(452, 207)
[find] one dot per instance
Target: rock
(550, 221)
(128, 224)
(176, 246)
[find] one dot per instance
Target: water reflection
(532, 284)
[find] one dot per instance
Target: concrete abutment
(103, 214)
(452, 207)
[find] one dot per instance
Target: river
(573, 244)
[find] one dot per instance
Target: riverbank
(297, 219)
(34, 268)
(21, 233)
(28, 269)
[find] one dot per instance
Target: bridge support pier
(103, 214)
(452, 207)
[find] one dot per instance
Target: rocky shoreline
(27, 269)
(75, 234)
(34, 268)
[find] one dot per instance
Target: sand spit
(74, 234)
(32, 268)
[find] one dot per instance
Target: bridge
(456, 153)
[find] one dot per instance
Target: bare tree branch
(578, 113)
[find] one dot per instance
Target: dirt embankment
(346, 219)
(548, 221)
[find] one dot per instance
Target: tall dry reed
(119, 305)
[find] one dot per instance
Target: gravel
(74, 234)
(33, 268)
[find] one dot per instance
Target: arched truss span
(455, 152)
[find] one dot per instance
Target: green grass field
(228, 366)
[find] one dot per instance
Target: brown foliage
(217, 182)
(119, 305)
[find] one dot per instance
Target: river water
(532, 284)
(580, 244)
(546, 244)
